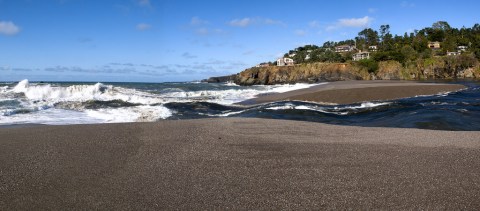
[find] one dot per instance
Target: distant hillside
(436, 52)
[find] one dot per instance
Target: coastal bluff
(316, 72)
(303, 73)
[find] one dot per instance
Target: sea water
(59, 103)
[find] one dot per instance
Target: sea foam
(45, 102)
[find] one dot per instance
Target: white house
(372, 48)
(462, 48)
(344, 48)
(263, 64)
(434, 45)
(453, 53)
(361, 55)
(285, 62)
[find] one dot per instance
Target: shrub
(370, 64)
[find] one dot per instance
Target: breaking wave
(101, 103)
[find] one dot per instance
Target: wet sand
(235, 163)
(347, 92)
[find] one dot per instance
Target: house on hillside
(361, 55)
(462, 48)
(285, 62)
(344, 48)
(372, 48)
(263, 64)
(453, 53)
(434, 45)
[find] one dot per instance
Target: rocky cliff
(308, 73)
(387, 70)
(221, 79)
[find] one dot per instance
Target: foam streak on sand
(240, 164)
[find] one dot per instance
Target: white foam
(365, 105)
(310, 108)
(230, 96)
(82, 93)
(22, 86)
(227, 113)
(50, 117)
(40, 100)
(130, 114)
(284, 107)
(289, 87)
(3, 89)
(231, 83)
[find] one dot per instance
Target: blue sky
(179, 40)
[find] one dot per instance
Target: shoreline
(348, 92)
(237, 163)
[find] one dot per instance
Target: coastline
(348, 92)
(237, 163)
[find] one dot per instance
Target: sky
(180, 40)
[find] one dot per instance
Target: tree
(408, 53)
(405, 49)
(441, 25)
(385, 37)
(330, 56)
(367, 37)
(384, 29)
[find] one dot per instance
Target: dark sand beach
(235, 163)
(347, 92)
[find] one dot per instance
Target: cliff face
(308, 73)
(221, 79)
(387, 70)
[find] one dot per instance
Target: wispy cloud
(144, 3)
(143, 26)
(8, 28)
(300, 32)
(84, 40)
(249, 52)
(122, 9)
(241, 22)
(351, 22)
(269, 21)
(372, 10)
(355, 22)
(203, 27)
(114, 68)
(314, 24)
(196, 21)
(244, 22)
(187, 55)
(202, 31)
(406, 4)
(21, 69)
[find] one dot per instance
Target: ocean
(63, 103)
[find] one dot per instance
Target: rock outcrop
(307, 73)
(390, 70)
(221, 79)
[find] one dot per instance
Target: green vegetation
(411, 49)
(370, 64)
